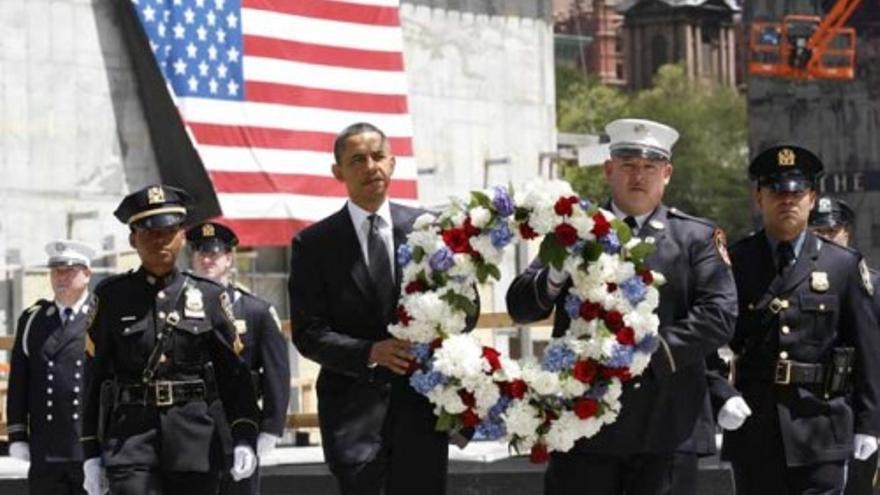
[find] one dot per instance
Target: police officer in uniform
(635, 454)
(47, 375)
(259, 328)
(806, 368)
(833, 219)
(169, 397)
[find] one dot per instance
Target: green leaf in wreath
(640, 251)
(624, 233)
(592, 251)
(460, 303)
(479, 198)
(445, 421)
(486, 270)
(552, 252)
(418, 253)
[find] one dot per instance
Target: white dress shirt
(360, 218)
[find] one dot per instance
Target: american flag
(263, 87)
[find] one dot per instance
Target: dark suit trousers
(247, 486)
(595, 474)
(860, 476)
(56, 478)
(684, 473)
(414, 458)
(135, 481)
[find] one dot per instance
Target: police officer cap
(65, 252)
(831, 213)
(640, 138)
(154, 207)
(211, 237)
(786, 168)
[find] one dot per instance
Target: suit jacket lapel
(351, 250)
(400, 230)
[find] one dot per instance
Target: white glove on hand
(244, 463)
(557, 277)
(20, 451)
(865, 445)
(94, 482)
(266, 444)
(734, 413)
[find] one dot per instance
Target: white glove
(865, 445)
(244, 463)
(557, 277)
(266, 443)
(94, 482)
(20, 451)
(734, 413)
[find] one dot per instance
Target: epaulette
(40, 303)
(243, 288)
(675, 212)
(200, 278)
(112, 279)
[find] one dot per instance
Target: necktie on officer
(68, 316)
(380, 265)
(633, 225)
(784, 256)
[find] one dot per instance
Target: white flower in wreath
(543, 382)
(428, 240)
(459, 356)
(544, 220)
(447, 399)
(641, 323)
(483, 245)
(458, 218)
(640, 361)
(583, 223)
(510, 370)
(572, 387)
(480, 217)
(423, 221)
(563, 432)
(463, 267)
(522, 420)
(486, 394)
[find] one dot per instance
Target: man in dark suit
(377, 432)
(806, 344)
(833, 219)
(257, 325)
(47, 375)
(697, 310)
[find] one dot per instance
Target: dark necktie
(68, 316)
(784, 256)
(633, 225)
(380, 265)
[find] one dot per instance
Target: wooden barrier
(487, 321)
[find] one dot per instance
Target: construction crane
(805, 47)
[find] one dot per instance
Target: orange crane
(805, 47)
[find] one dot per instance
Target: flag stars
(203, 69)
(202, 33)
(160, 29)
(189, 16)
(179, 31)
(180, 67)
(212, 19)
(212, 52)
(191, 50)
(200, 4)
(232, 88)
(231, 20)
(219, 4)
(193, 83)
(149, 13)
(221, 70)
(232, 54)
(213, 85)
(221, 35)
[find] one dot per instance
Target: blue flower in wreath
(610, 243)
(634, 290)
(557, 358)
(648, 344)
(500, 407)
(424, 381)
(421, 352)
(442, 260)
(500, 234)
(573, 306)
(621, 356)
(404, 255)
(597, 391)
(585, 204)
(502, 202)
(491, 429)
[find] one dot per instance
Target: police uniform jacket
(697, 312)
(46, 382)
(336, 318)
(132, 310)
(825, 304)
(266, 354)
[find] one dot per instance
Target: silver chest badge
(194, 306)
(819, 281)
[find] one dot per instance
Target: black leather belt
(162, 393)
(784, 372)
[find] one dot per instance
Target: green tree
(710, 158)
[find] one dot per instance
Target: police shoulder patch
(720, 240)
(866, 277)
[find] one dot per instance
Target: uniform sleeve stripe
(24, 335)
